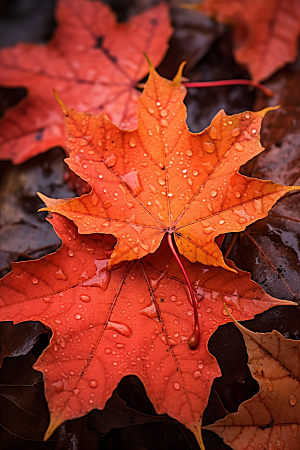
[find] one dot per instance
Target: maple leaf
(134, 319)
(266, 33)
(92, 60)
(271, 418)
(160, 178)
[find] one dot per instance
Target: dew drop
(93, 383)
(189, 312)
(76, 391)
(242, 220)
(253, 131)
(212, 132)
(221, 221)
(70, 253)
(213, 193)
(195, 173)
(235, 132)
(100, 175)
(176, 386)
(77, 316)
(196, 374)
(107, 351)
(150, 133)
(247, 115)
(151, 110)
(85, 298)
(164, 123)
(238, 147)
(173, 298)
(189, 152)
(132, 142)
(293, 400)
(208, 310)
(163, 112)
(46, 299)
(59, 275)
(237, 194)
(121, 328)
(34, 280)
(58, 386)
(209, 147)
(161, 181)
(200, 366)
(120, 345)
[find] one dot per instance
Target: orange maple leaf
(266, 33)
(134, 319)
(160, 178)
(93, 61)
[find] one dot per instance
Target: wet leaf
(266, 34)
(271, 419)
(93, 60)
(102, 332)
(162, 179)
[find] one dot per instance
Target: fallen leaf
(266, 33)
(271, 419)
(162, 179)
(91, 60)
(134, 319)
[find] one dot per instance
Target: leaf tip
(61, 103)
(151, 67)
(178, 77)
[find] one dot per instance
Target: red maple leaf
(160, 178)
(266, 33)
(133, 319)
(92, 61)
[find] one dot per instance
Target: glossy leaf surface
(93, 61)
(134, 319)
(162, 179)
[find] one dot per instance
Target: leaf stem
(194, 339)
(191, 84)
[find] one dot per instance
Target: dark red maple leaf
(94, 62)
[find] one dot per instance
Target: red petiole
(194, 339)
(191, 84)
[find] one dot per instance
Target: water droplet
(176, 386)
(247, 115)
(189, 312)
(76, 391)
(46, 299)
(163, 112)
(132, 142)
(70, 253)
(293, 400)
(189, 152)
(237, 194)
(110, 160)
(208, 310)
(235, 132)
(196, 374)
(94, 199)
(209, 147)
(150, 311)
(200, 366)
(132, 179)
(195, 173)
(164, 123)
(242, 220)
(238, 147)
(212, 132)
(34, 280)
(150, 133)
(58, 386)
(107, 351)
(173, 298)
(221, 221)
(213, 193)
(121, 328)
(93, 383)
(77, 316)
(161, 181)
(85, 298)
(59, 275)
(151, 110)
(100, 175)
(253, 131)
